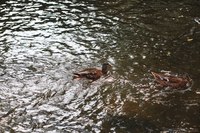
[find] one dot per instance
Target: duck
(172, 81)
(92, 73)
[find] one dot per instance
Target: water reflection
(44, 42)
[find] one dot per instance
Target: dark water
(42, 42)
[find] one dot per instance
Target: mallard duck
(172, 81)
(92, 73)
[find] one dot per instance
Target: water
(43, 42)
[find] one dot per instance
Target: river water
(42, 42)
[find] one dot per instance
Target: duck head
(188, 80)
(106, 67)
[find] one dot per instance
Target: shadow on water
(160, 112)
(43, 42)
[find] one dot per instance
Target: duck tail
(76, 76)
(156, 75)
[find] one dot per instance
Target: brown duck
(172, 81)
(92, 73)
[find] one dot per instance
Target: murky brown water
(43, 42)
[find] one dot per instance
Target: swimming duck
(172, 81)
(92, 73)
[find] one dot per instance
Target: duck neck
(104, 69)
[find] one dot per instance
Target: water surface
(43, 42)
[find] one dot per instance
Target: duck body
(172, 81)
(92, 73)
(89, 73)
